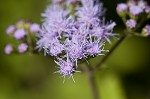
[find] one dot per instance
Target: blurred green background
(26, 76)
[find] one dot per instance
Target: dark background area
(27, 76)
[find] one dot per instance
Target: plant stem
(91, 79)
(110, 52)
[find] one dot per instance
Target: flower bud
(8, 49)
(131, 23)
(10, 29)
(22, 47)
(146, 31)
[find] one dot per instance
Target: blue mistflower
(8, 49)
(135, 10)
(71, 37)
(122, 7)
(10, 29)
(147, 30)
(22, 47)
(66, 67)
(131, 23)
(19, 34)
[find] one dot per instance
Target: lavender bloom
(34, 28)
(142, 4)
(147, 30)
(75, 50)
(131, 2)
(122, 7)
(66, 67)
(10, 29)
(56, 19)
(94, 48)
(147, 9)
(73, 37)
(135, 10)
(56, 48)
(131, 23)
(8, 49)
(19, 34)
(22, 47)
(104, 31)
(88, 14)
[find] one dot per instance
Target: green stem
(110, 52)
(91, 80)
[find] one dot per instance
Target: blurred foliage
(124, 76)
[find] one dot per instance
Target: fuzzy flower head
(10, 29)
(122, 7)
(131, 23)
(148, 30)
(34, 28)
(66, 67)
(19, 34)
(8, 49)
(137, 7)
(89, 13)
(22, 47)
(74, 37)
(135, 10)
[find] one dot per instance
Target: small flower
(10, 29)
(22, 47)
(8, 49)
(34, 28)
(66, 67)
(122, 7)
(147, 9)
(56, 48)
(88, 14)
(75, 50)
(19, 34)
(131, 23)
(142, 4)
(104, 31)
(94, 48)
(147, 30)
(131, 2)
(135, 10)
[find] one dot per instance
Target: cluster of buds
(134, 13)
(24, 33)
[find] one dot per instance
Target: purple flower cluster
(21, 31)
(135, 7)
(138, 7)
(72, 37)
(133, 12)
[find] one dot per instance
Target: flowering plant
(74, 31)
